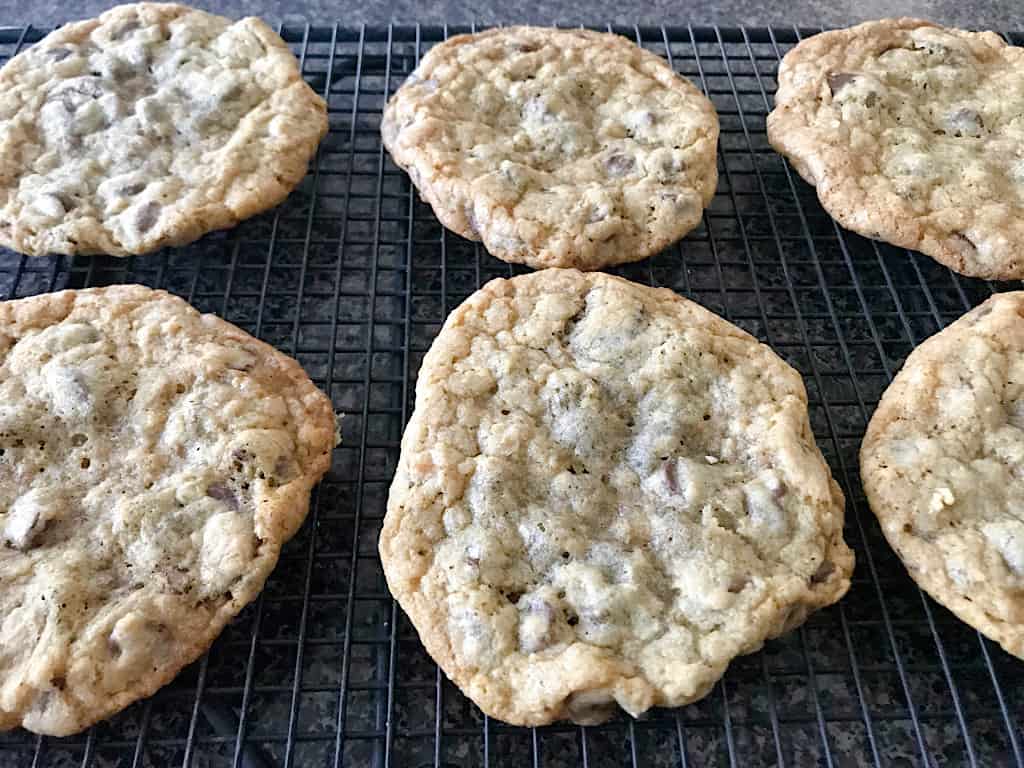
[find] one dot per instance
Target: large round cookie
(604, 495)
(152, 462)
(146, 127)
(912, 134)
(556, 148)
(943, 467)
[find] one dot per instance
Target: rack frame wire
(353, 276)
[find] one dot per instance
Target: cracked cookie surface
(152, 462)
(149, 126)
(943, 467)
(912, 134)
(605, 494)
(556, 148)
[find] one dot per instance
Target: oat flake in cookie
(943, 468)
(152, 462)
(146, 127)
(604, 495)
(912, 134)
(556, 148)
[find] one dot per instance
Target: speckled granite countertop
(1000, 14)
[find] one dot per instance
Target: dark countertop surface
(995, 14)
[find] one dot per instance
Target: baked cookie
(912, 134)
(943, 467)
(556, 148)
(604, 495)
(149, 126)
(152, 462)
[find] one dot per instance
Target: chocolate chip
(620, 165)
(221, 492)
(527, 47)
(670, 477)
(79, 440)
(69, 202)
(737, 583)
(573, 620)
(824, 571)
(282, 469)
(513, 596)
(232, 93)
(147, 216)
(839, 80)
(59, 682)
(131, 190)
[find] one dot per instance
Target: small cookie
(604, 495)
(912, 134)
(149, 126)
(943, 467)
(152, 462)
(556, 148)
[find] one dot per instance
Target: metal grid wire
(353, 275)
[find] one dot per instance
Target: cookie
(149, 126)
(556, 148)
(604, 495)
(911, 134)
(943, 467)
(152, 462)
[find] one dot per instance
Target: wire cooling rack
(353, 275)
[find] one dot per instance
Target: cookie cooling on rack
(152, 462)
(149, 126)
(912, 134)
(604, 495)
(942, 468)
(555, 148)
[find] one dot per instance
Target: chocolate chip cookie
(912, 134)
(149, 126)
(556, 148)
(152, 462)
(604, 495)
(943, 467)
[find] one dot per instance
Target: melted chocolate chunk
(221, 492)
(131, 190)
(824, 571)
(147, 216)
(839, 80)
(620, 165)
